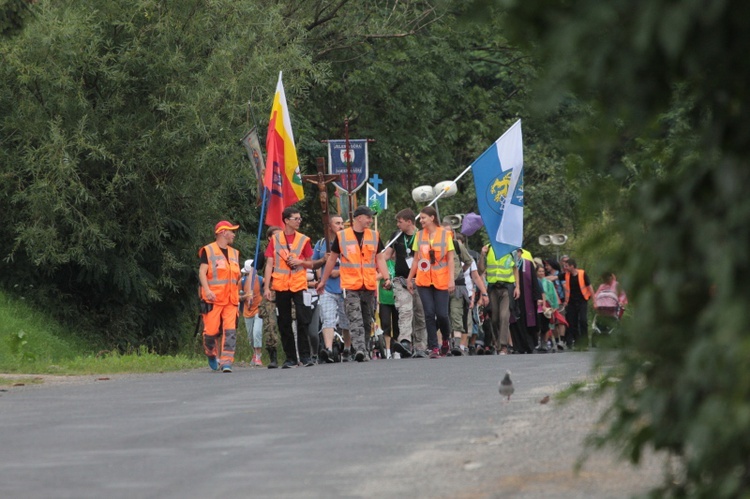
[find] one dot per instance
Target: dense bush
(668, 144)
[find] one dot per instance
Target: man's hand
(210, 296)
(320, 288)
(294, 262)
(267, 294)
(485, 249)
(516, 293)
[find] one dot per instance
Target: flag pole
(447, 187)
(260, 229)
(263, 203)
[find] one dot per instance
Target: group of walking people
(429, 282)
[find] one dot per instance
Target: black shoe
(420, 354)
(360, 356)
(308, 362)
(345, 355)
(273, 363)
(472, 350)
(403, 348)
(289, 364)
(326, 356)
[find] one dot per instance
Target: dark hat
(363, 210)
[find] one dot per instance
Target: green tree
(119, 129)
(119, 125)
(667, 147)
(13, 14)
(435, 102)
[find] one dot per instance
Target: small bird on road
(544, 400)
(506, 386)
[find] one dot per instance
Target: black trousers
(284, 300)
(576, 313)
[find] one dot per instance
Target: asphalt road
(397, 428)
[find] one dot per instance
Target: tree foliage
(667, 145)
(120, 125)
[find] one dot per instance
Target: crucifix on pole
(321, 179)
(349, 180)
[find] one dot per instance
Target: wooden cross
(322, 180)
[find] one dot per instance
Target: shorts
(332, 312)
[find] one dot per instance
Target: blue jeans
(436, 304)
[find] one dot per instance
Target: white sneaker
(388, 354)
(396, 355)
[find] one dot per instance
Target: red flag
(282, 179)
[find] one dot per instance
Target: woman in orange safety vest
(433, 248)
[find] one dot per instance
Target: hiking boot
(226, 368)
(421, 354)
(289, 364)
(403, 348)
(360, 356)
(307, 362)
(345, 355)
(272, 362)
(326, 356)
(213, 363)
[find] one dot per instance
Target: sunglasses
(296, 219)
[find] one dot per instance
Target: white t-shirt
(467, 277)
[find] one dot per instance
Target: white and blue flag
(498, 180)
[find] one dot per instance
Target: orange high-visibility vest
(585, 291)
(357, 267)
(223, 276)
(433, 274)
(283, 277)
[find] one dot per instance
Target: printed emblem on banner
(344, 159)
(497, 192)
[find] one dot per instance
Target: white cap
(248, 266)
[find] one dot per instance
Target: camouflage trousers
(360, 306)
(411, 321)
(459, 308)
(267, 312)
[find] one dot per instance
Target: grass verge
(31, 342)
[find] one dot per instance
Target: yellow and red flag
(282, 179)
